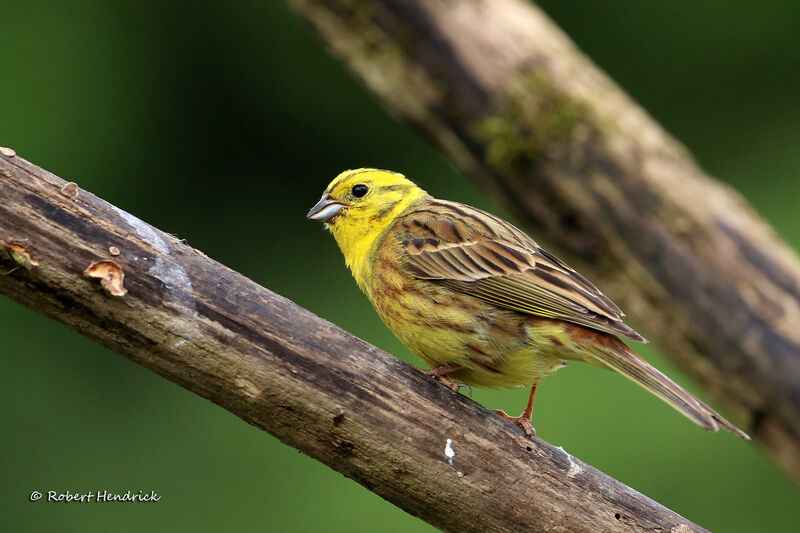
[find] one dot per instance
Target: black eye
(359, 190)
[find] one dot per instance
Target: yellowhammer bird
(476, 298)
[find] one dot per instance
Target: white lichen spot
(179, 291)
(448, 451)
(144, 231)
(574, 468)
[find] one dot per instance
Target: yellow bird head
(363, 194)
(359, 206)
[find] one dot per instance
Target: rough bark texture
(377, 420)
(508, 96)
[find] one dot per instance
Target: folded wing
(476, 253)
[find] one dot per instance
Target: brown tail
(614, 354)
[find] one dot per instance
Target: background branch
(342, 401)
(517, 106)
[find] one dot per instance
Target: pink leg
(523, 420)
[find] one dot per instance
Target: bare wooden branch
(515, 103)
(144, 294)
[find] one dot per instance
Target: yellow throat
(358, 207)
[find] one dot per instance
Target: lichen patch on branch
(531, 118)
(178, 287)
(574, 468)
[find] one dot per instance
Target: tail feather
(615, 355)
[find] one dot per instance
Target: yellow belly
(496, 347)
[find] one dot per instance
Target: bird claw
(522, 421)
(455, 387)
(440, 375)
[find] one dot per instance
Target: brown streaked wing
(476, 253)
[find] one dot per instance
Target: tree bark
(154, 299)
(518, 107)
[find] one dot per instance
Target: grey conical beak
(325, 209)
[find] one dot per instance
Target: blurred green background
(222, 123)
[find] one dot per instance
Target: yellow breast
(496, 347)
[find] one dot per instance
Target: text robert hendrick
(101, 496)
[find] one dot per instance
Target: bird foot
(522, 421)
(454, 386)
(440, 374)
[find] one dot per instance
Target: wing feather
(475, 253)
